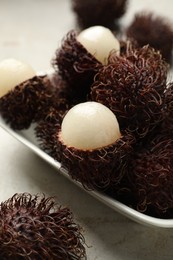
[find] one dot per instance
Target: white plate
(28, 139)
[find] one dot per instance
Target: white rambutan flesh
(88, 126)
(99, 41)
(12, 73)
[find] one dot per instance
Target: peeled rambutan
(104, 12)
(26, 102)
(76, 66)
(80, 57)
(82, 145)
(12, 73)
(34, 227)
(133, 86)
(151, 176)
(147, 28)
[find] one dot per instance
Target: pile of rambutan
(107, 120)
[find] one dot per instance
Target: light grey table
(31, 30)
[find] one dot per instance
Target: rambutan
(88, 155)
(34, 227)
(26, 102)
(133, 86)
(76, 66)
(148, 28)
(151, 176)
(104, 12)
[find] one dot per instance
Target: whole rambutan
(104, 12)
(151, 176)
(148, 28)
(133, 86)
(34, 227)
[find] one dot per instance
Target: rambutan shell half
(96, 169)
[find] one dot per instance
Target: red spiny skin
(98, 12)
(133, 86)
(147, 28)
(76, 66)
(33, 227)
(151, 176)
(26, 103)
